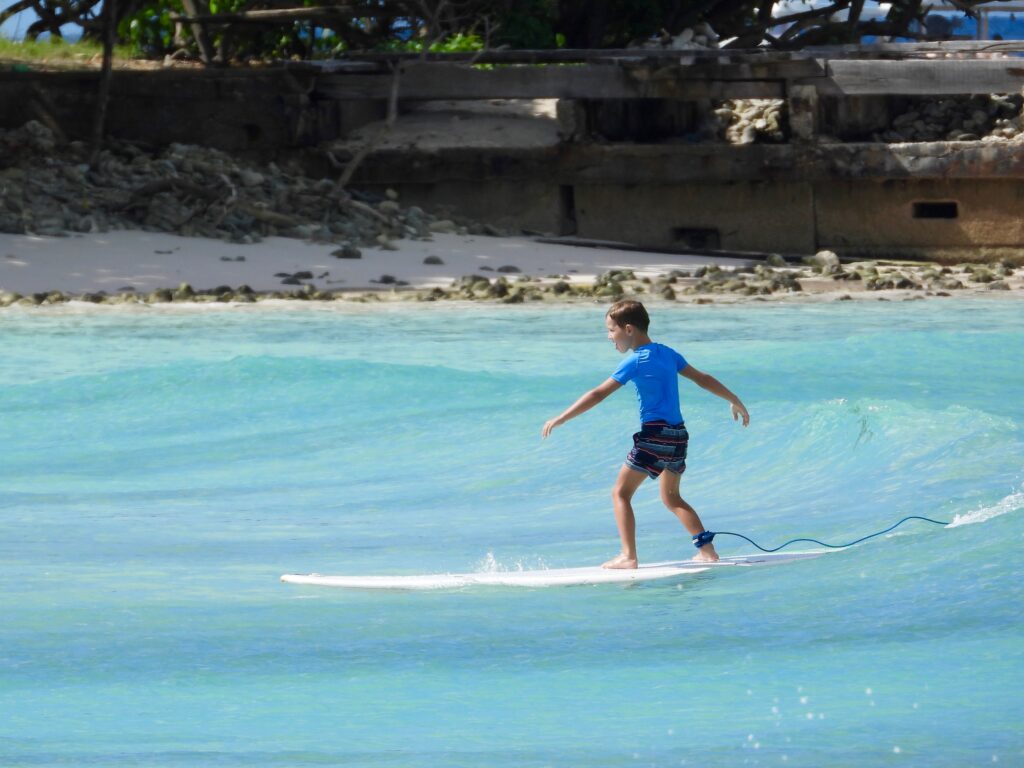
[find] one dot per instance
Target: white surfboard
(554, 577)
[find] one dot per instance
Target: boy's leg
(622, 495)
(669, 483)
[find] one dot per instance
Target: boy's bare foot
(620, 561)
(706, 554)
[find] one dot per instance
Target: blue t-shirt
(654, 370)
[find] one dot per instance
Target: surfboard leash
(706, 536)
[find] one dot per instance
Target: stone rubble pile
(622, 283)
(697, 37)
(989, 118)
(878, 276)
(49, 189)
(746, 121)
(737, 121)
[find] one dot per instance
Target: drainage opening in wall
(697, 238)
(253, 133)
(567, 212)
(935, 210)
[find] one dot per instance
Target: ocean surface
(159, 470)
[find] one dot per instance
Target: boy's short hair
(628, 312)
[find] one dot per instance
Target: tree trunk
(103, 95)
(199, 31)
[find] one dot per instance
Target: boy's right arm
(585, 403)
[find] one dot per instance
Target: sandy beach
(145, 261)
(136, 263)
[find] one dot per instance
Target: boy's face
(619, 335)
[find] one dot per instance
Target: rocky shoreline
(50, 189)
(822, 276)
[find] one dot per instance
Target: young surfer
(659, 448)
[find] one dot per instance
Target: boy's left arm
(715, 387)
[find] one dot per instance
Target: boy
(659, 448)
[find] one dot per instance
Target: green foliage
(459, 43)
(147, 29)
(530, 24)
(633, 20)
(55, 50)
(149, 32)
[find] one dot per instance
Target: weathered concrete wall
(623, 196)
(882, 214)
(790, 198)
(261, 113)
(754, 216)
(640, 120)
(534, 205)
(856, 118)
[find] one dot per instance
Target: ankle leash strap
(703, 538)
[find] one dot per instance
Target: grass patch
(44, 51)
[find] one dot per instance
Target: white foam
(488, 565)
(1011, 503)
(491, 564)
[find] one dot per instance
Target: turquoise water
(160, 470)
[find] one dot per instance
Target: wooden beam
(736, 55)
(930, 77)
(712, 70)
(890, 50)
(272, 16)
(756, 68)
(428, 81)
(573, 55)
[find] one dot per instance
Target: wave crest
(1011, 503)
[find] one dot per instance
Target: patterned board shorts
(659, 446)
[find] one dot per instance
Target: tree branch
(379, 135)
(14, 10)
